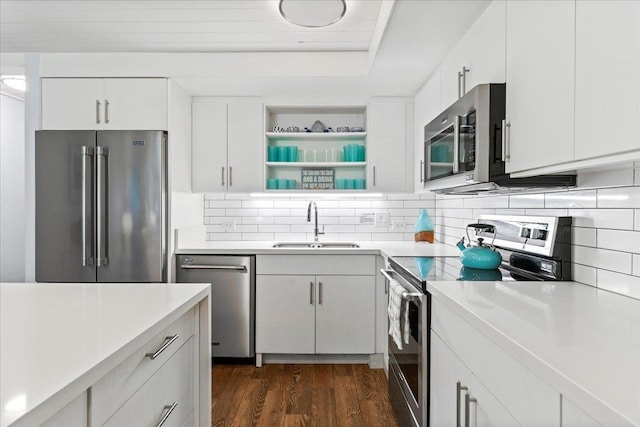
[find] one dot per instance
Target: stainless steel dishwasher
(233, 284)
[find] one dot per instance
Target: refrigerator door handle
(87, 226)
(101, 207)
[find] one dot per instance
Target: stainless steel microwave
(463, 148)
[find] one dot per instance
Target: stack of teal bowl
(353, 153)
(281, 184)
(284, 153)
(350, 184)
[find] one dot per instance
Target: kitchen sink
(315, 245)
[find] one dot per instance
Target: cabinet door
(71, 104)
(426, 107)
(244, 142)
(132, 104)
(450, 81)
(285, 314)
(446, 371)
(209, 147)
(540, 83)
(345, 314)
(387, 147)
(487, 52)
(607, 77)
(574, 416)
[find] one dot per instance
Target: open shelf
(316, 164)
(316, 136)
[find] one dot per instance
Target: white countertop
(582, 341)
(384, 248)
(56, 340)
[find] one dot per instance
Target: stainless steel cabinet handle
(87, 224)
(421, 170)
(456, 144)
(106, 111)
(459, 388)
(465, 70)
(222, 175)
(467, 401)
(101, 207)
(320, 293)
(167, 343)
(166, 411)
(459, 84)
(505, 140)
(214, 267)
(374, 176)
(230, 176)
(97, 112)
(311, 293)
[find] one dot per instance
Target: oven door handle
(387, 275)
(406, 296)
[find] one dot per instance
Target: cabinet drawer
(316, 264)
(111, 391)
(171, 386)
(529, 399)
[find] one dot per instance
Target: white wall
(12, 186)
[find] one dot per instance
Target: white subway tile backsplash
(603, 258)
(242, 212)
(584, 274)
(606, 220)
(619, 283)
(583, 236)
(273, 212)
(214, 212)
(532, 201)
(622, 197)
(257, 203)
(571, 199)
(619, 219)
(626, 241)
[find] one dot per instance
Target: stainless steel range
(532, 249)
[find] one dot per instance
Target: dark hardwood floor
(300, 395)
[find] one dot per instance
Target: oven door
(409, 366)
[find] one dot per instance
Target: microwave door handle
(456, 144)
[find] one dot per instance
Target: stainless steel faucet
(316, 231)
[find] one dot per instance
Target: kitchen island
(61, 343)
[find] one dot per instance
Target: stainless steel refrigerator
(101, 206)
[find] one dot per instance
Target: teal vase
(424, 227)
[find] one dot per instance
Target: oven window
(409, 357)
(439, 153)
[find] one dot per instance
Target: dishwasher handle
(213, 267)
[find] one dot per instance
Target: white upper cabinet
(478, 58)
(540, 75)
(226, 145)
(426, 107)
(111, 103)
(388, 146)
(607, 78)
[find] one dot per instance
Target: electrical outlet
(367, 218)
(229, 226)
(398, 225)
(382, 218)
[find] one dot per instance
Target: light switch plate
(367, 218)
(382, 218)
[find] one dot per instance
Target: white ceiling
(402, 41)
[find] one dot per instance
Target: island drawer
(113, 390)
(168, 395)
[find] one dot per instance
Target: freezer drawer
(233, 284)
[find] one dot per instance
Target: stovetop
(419, 270)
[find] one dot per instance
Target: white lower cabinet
(489, 373)
(574, 416)
(457, 396)
(167, 395)
(315, 304)
(74, 414)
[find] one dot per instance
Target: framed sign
(317, 179)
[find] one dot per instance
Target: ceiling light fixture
(14, 82)
(313, 13)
